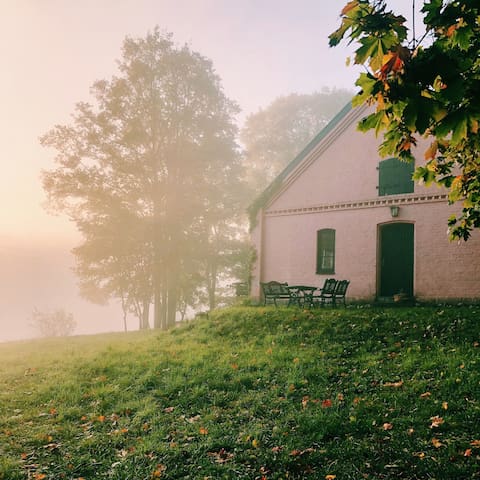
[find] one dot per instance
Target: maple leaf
(349, 6)
(203, 431)
(326, 403)
(330, 477)
(387, 426)
(475, 443)
(436, 442)
(451, 30)
(467, 452)
(436, 421)
(222, 456)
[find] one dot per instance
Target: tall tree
(428, 87)
(273, 136)
(133, 170)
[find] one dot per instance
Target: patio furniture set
(307, 296)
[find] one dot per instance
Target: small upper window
(394, 177)
(326, 251)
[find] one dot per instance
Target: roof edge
(268, 193)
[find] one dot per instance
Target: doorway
(396, 254)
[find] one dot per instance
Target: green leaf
(460, 130)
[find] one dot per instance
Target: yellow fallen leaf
(436, 443)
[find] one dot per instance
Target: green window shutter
(326, 251)
(394, 177)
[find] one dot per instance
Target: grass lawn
(250, 393)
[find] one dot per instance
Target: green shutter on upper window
(326, 251)
(395, 176)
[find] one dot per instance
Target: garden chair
(340, 292)
(326, 293)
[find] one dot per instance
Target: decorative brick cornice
(413, 199)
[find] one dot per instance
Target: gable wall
(343, 168)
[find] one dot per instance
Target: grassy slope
(250, 393)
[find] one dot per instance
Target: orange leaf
(101, 418)
(330, 477)
(436, 421)
(436, 443)
(431, 151)
(425, 395)
(451, 30)
(468, 452)
(203, 431)
(387, 426)
(326, 403)
(475, 443)
(349, 6)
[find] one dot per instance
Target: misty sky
(53, 50)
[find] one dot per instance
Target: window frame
(326, 251)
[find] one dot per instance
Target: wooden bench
(275, 291)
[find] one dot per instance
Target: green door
(396, 259)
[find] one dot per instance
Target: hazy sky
(53, 50)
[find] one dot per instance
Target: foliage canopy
(424, 88)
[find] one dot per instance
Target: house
(339, 210)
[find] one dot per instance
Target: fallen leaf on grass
(425, 395)
(468, 452)
(326, 403)
(436, 421)
(387, 426)
(222, 456)
(330, 477)
(436, 443)
(394, 384)
(475, 443)
(203, 431)
(158, 472)
(299, 453)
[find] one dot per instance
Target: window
(394, 177)
(326, 251)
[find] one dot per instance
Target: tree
(273, 136)
(55, 323)
(424, 88)
(135, 171)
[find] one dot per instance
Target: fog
(39, 276)
(53, 51)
